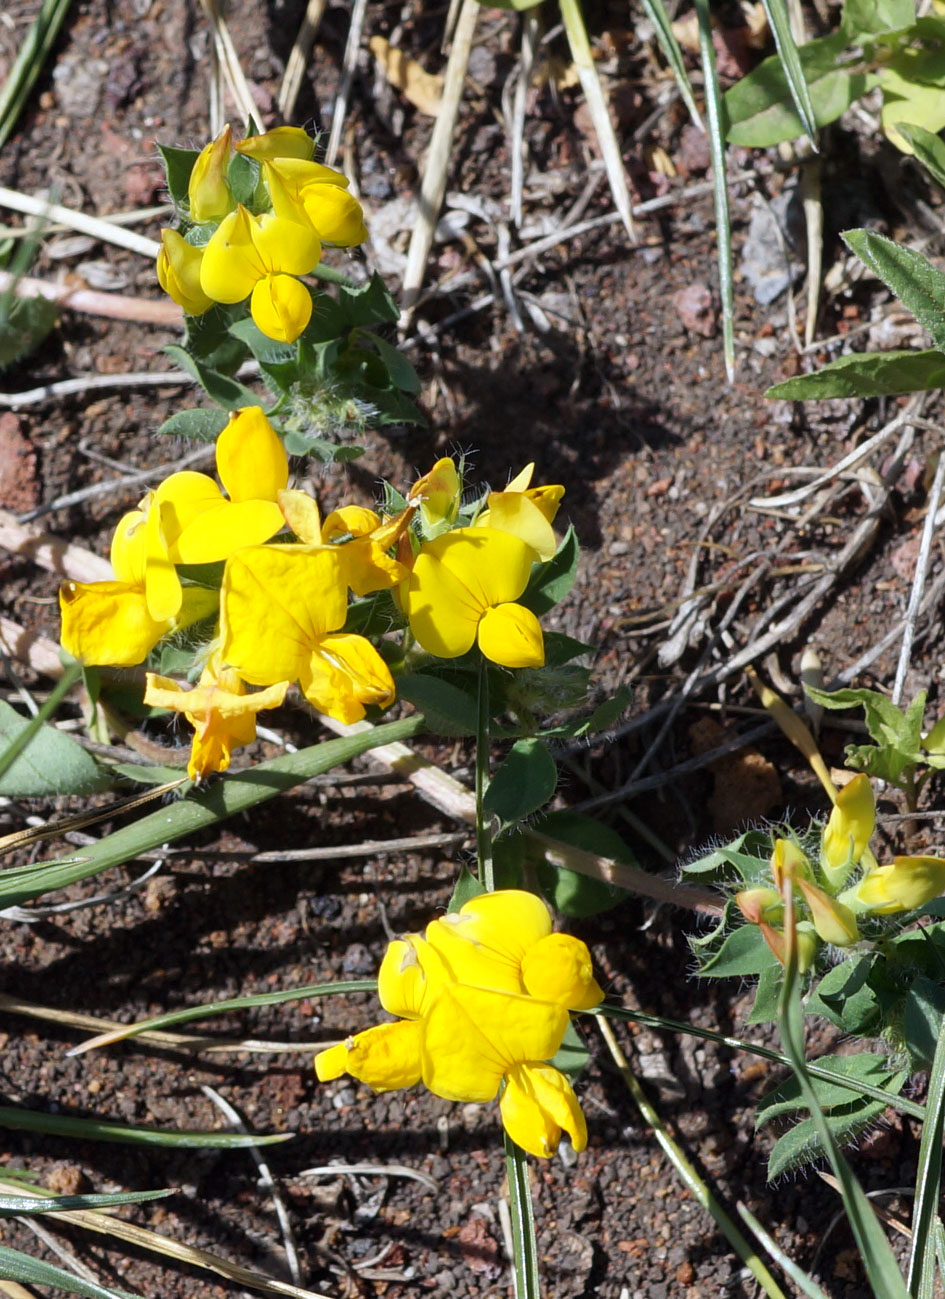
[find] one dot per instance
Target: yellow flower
(848, 831)
(117, 624)
(259, 255)
(907, 883)
(208, 192)
(280, 142)
(201, 525)
(463, 589)
(317, 195)
(178, 272)
(222, 714)
(833, 921)
(365, 563)
(483, 999)
(281, 610)
(437, 493)
(526, 512)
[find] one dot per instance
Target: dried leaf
(423, 89)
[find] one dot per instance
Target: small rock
(19, 486)
(692, 156)
(694, 305)
(66, 1179)
(767, 262)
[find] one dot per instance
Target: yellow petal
(385, 1057)
(849, 829)
(511, 635)
(107, 623)
(559, 968)
(537, 1104)
(181, 498)
(833, 921)
(302, 516)
(473, 1036)
(281, 306)
(251, 459)
(162, 586)
(207, 191)
(280, 142)
(367, 567)
(129, 549)
(285, 245)
(343, 674)
(178, 272)
(485, 942)
(908, 883)
(285, 178)
(353, 520)
(522, 479)
(231, 264)
(411, 975)
(276, 602)
(514, 512)
(336, 216)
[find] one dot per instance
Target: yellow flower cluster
(279, 614)
(482, 999)
(832, 911)
(258, 252)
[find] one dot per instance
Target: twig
(918, 581)
(116, 306)
(349, 67)
(229, 61)
(433, 185)
(298, 57)
(530, 34)
(97, 382)
(98, 228)
(53, 553)
(268, 1181)
(370, 1170)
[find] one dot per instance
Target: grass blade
(15, 1266)
(920, 1275)
(29, 63)
(62, 1125)
(223, 799)
(221, 1008)
(524, 1244)
(723, 227)
(780, 24)
(597, 105)
(29, 732)
(18, 1205)
(656, 12)
(805, 1283)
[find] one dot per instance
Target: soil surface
(615, 386)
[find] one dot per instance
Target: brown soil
(623, 399)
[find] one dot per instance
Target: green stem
(524, 1244)
(483, 829)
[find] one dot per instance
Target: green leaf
(866, 17)
(862, 1067)
(922, 1015)
(561, 649)
(572, 1055)
(23, 326)
(466, 887)
(64, 1125)
(30, 1205)
(760, 108)
(780, 24)
(716, 124)
(268, 351)
(802, 1145)
(897, 731)
(145, 774)
(743, 952)
(867, 374)
(912, 83)
(570, 892)
(662, 25)
(371, 305)
(15, 1266)
(764, 1009)
(749, 855)
(34, 48)
(551, 582)
(401, 371)
(524, 782)
(52, 764)
(178, 164)
(846, 997)
(226, 392)
(448, 709)
(607, 714)
(201, 425)
(928, 149)
(242, 176)
(918, 285)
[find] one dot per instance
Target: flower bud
(834, 922)
(208, 192)
(847, 832)
(178, 272)
(280, 142)
(908, 883)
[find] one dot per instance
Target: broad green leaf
(52, 764)
(764, 1009)
(570, 892)
(64, 1125)
(867, 374)
(572, 1055)
(749, 855)
(551, 582)
(927, 148)
(23, 326)
(466, 887)
(918, 285)
(201, 425)
(846, 997)
(523, 783)
(561, 649)
(922, 1016)
(743, 952)
(908, 98)
(862, 1067)
(16, 1266)
(866, 17)
(448, 709)
(178, 164)
(268, 351)
(242, 175)
(802, 1145)
(760, 109)
(370, 305)
(145, 774)
(209, 340)
(402, 374)
(226, 392)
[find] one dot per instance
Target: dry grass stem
(229, 62)
(918, 581)
(91, 302)
(298, 58)
(106, 231)
(348, 69)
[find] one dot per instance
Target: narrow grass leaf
(15, 1266)
(805, 1283)
(223, 1008)
(715, 112)
(524, 1243)
(656, 12)
(62, 1125)
(920, 1275)
(780, 23)
(18, 1205)
(25, 736)
(29, 63)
